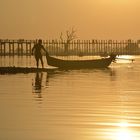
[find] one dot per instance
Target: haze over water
(99, 104)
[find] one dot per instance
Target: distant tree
(70, 36)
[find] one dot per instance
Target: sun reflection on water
(124, 131)
(125, 59)
(124, 124)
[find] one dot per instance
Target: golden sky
(92, 19)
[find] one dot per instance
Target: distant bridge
(77, 47)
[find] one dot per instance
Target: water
(97, 104)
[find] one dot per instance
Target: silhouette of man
(38, 47)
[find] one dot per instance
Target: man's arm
(47, 54)
(33, 49)
(43, 49)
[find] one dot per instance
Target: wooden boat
(80, 64)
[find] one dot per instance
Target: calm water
(71, 105)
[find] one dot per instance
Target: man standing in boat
(37, 51)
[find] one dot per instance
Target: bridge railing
(76, 47)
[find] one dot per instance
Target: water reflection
(38, 83)
(97, 104)
(91, 108)
(126, 131)
(41, 79)
(118, 131)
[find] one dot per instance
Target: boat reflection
(41, 79)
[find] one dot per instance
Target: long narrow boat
(80, 64)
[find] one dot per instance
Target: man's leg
(42, 62)
(37, 61)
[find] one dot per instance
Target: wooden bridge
(76, 47)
